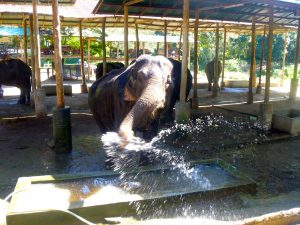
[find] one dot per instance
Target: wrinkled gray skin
(124, 101)
(210, 71)
(14, 72)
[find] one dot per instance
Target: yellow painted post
(126, 58)
(252, 71)
(195, 94)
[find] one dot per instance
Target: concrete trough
(287, 121)
(94, 196)
(50, 89)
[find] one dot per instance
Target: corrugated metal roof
(285, 13)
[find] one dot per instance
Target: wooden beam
(103, 46)
(165, 39)
(215, 88)
(258, 89)
(179, 44)
(137, 39)
(283, 60)
(32, 54)
(25, 40)
(82, 56)
(185, 48)
(132, 2)
(37, 52)
(269, 58)
(60, 102)
(252, 70)
(195, 90)
(126, 35)
(223, 60)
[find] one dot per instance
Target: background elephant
(210, 71)
(14, 72)
(109, 67)
(126, 100)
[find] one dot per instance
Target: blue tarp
(13, 31)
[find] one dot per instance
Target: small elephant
(109, 67)
(14, 72)
(210, 71)
(131, 99)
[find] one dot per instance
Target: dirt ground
(25, 151)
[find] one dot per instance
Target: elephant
(210, 71)
(128, 100)
(109, 67)
(14, 72)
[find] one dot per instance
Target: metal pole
(258, 89)
(165, 40)
(215, 88)
(60, 102)
(269, 58)
(223, 60)
(283, 60)
(126, 58)
(103, 46)
(25, 40)
(252, 71)
(83, 84)
(195, 94)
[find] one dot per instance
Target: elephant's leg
(1, 92)
(27, 97)
(22, 97)
(209, 86)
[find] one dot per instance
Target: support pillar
(118, 51)
(103, 47)
(283, 60)
(182, 109)
(137, 40)
(259, 87)
(89, 59)
(165, 39)
(62, 134)
(215, 88)
(83, 83)
(223, 60)
(252, 70)
(39, 93)
(294, 81)
(25, 40)
(195, 92)
(179, 45)
(126, 58)
(266, 108)
(32, 55)
(143, 44)
(157, 48)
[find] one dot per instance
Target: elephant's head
(149, 86)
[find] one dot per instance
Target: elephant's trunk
(147, 105)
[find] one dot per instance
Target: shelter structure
(275, 13)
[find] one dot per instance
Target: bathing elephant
(131, 99)
(210, 71)
(14, 72)
(109, 67)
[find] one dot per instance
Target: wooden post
(294, 81)
(126, 58)
(157, 48)
(137, 40)
(195, 94)
(37, 52)
(143, 44)
(103, 46)
(89, 59)
(182, 108)
(283, 60)
(165, 39)
(60, 102)
(118, 51)
(258, 88)
(269, 58)
(215, 88)
(223, 60)
(25, 40)
(83, 83)
(252, 71)
(179, 44)
(32, 49)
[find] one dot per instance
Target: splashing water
(170, 148)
